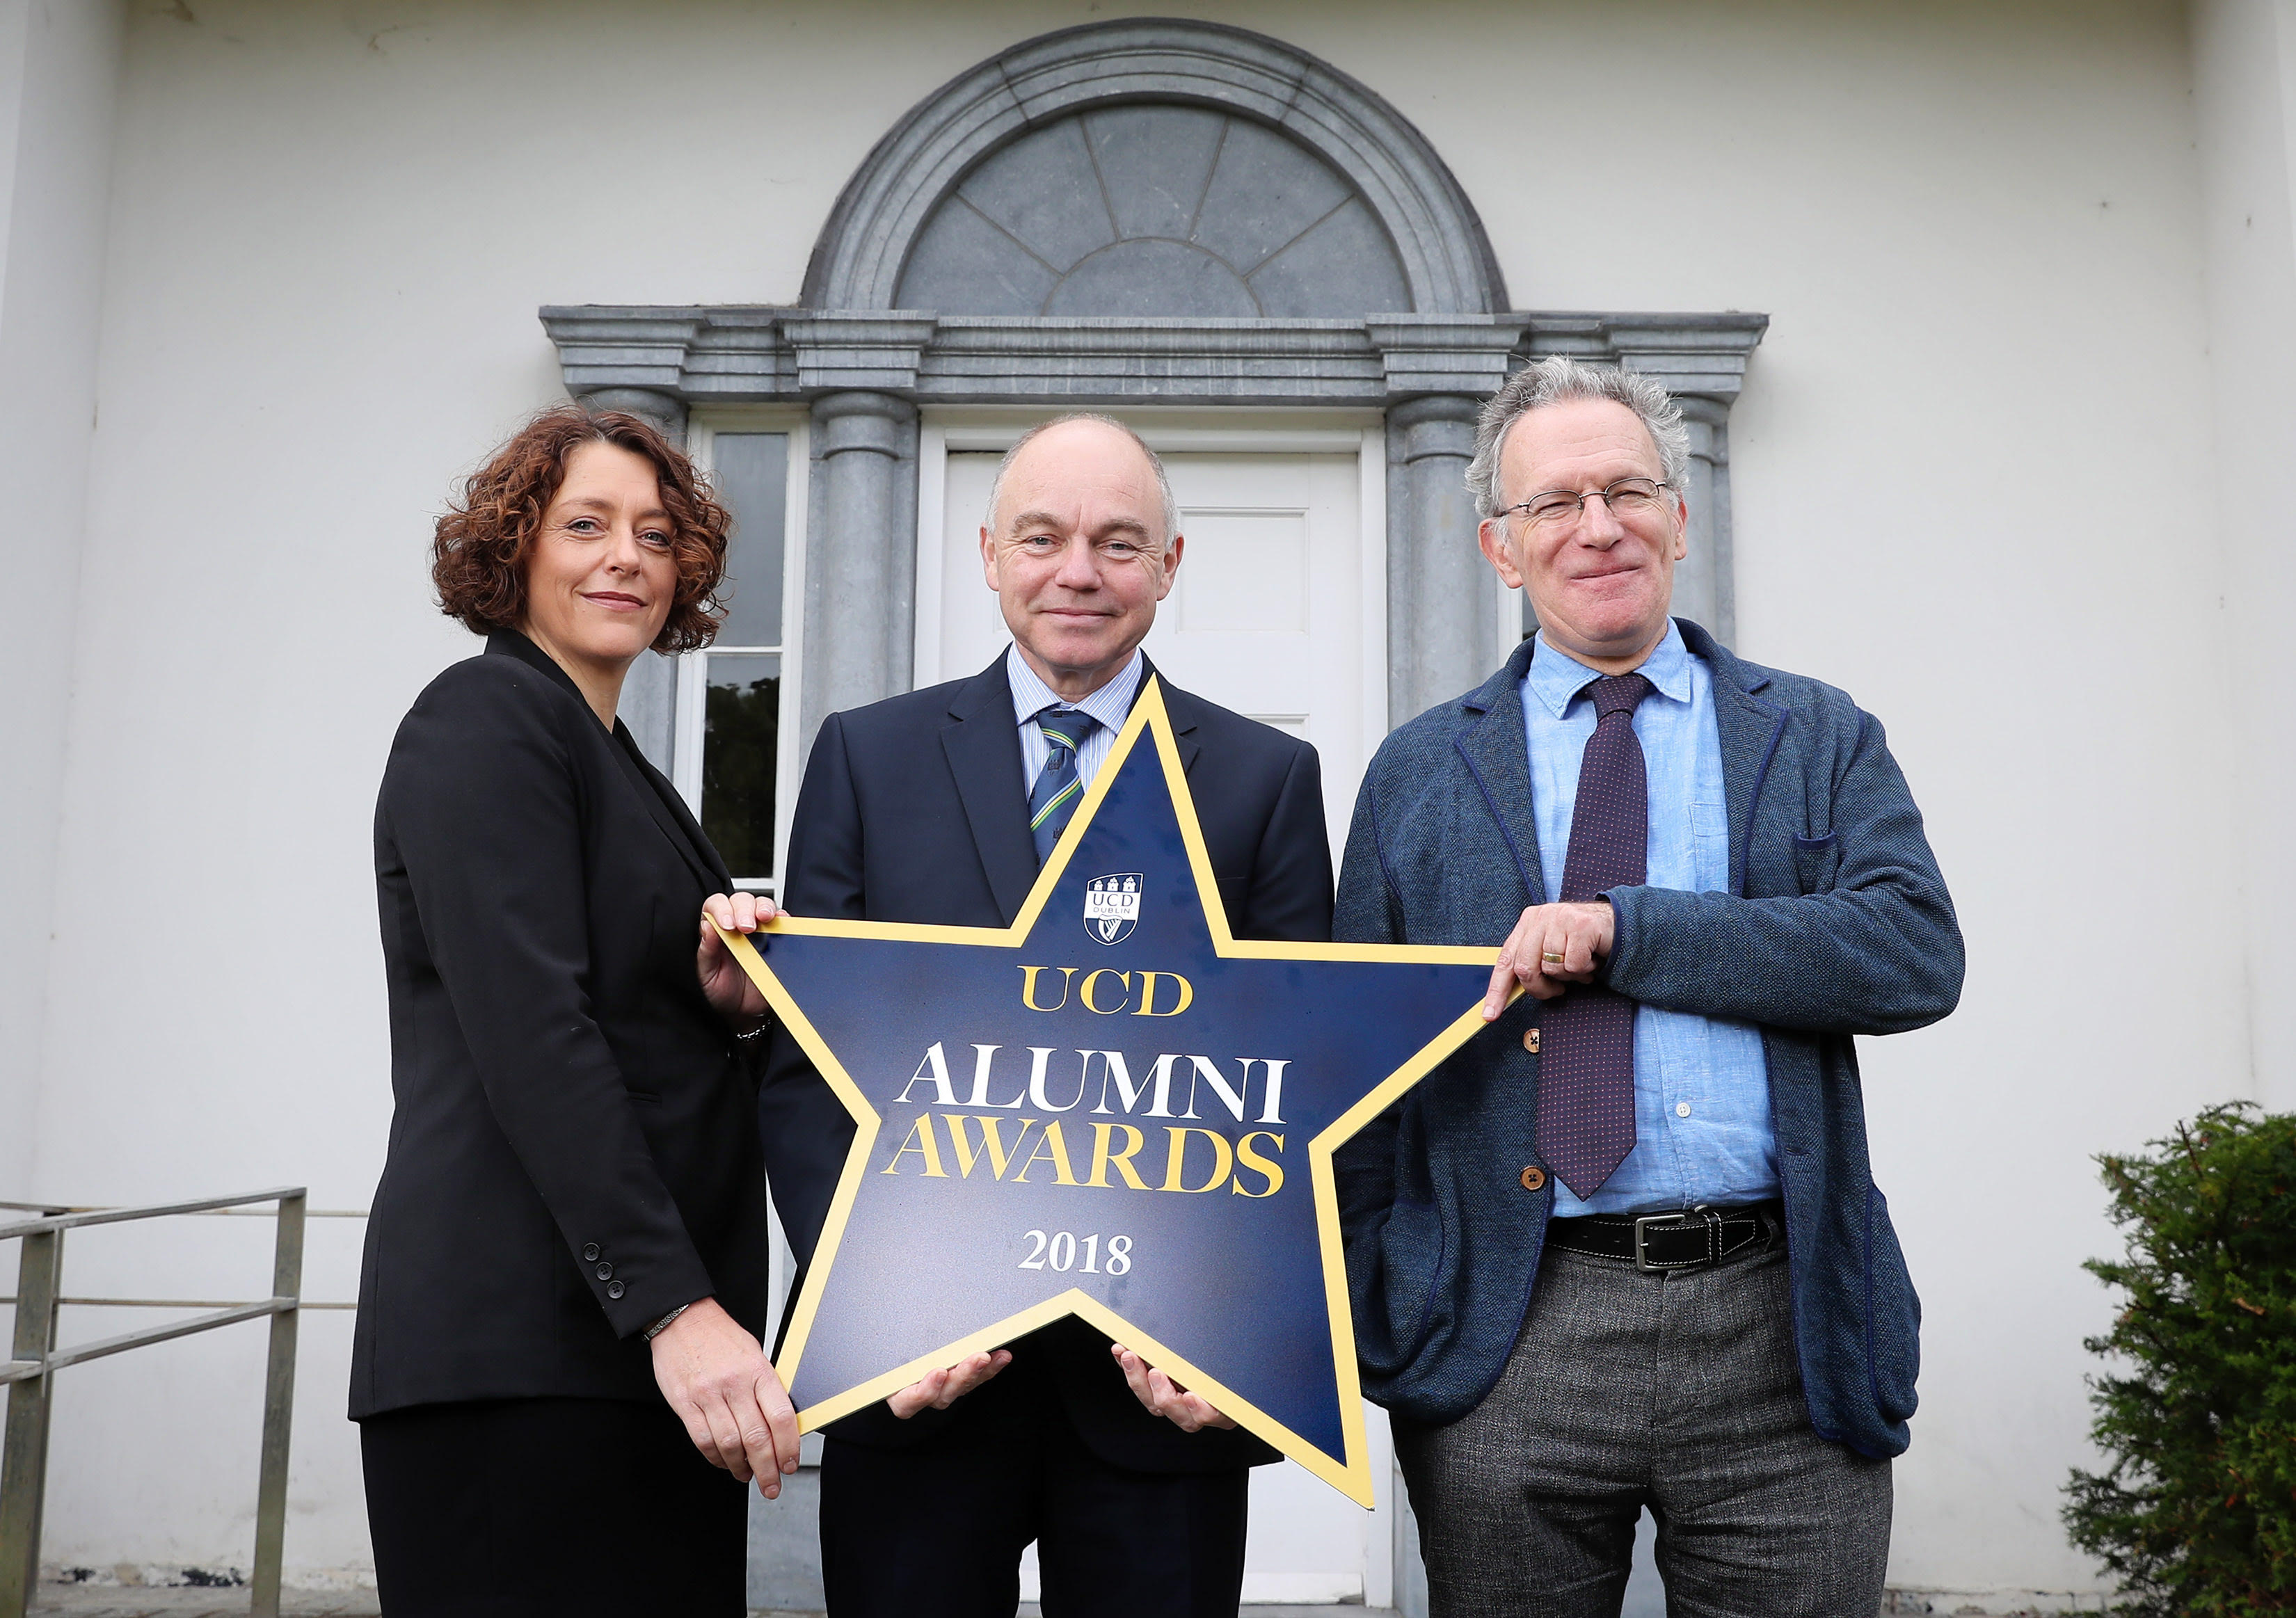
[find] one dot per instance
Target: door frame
(1174, 429)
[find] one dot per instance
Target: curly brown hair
(477, 556)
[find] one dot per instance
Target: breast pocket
(1817, 861)
(1709, 831)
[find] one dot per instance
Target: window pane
(752, 477)
(740, 743)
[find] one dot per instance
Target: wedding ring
(1550, 958)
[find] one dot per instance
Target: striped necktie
(1585, 1125)
(1053, 800)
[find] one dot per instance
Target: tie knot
(1065, 727)
(1618, 694)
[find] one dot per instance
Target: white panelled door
(1267, 615)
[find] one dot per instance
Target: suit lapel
(983, 748)
(1182, 708)
(710, 871)
(670, 813)
(1498, 757)
(1750, 730)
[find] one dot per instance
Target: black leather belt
(1694, 1240)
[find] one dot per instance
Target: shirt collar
(1111, 704)
(1556, 678)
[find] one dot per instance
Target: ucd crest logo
(1112, 907)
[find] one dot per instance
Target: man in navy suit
(939, 807)
(1624, 1250)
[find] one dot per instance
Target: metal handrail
(73, 1302)
(34, 1359)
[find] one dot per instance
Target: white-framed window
(735, 754)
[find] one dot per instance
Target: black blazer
(913, 809)
(573, 1154)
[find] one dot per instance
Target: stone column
(1442, 629)
(1442, 619)
(860, 367)
(1703, 585)
(861, 555)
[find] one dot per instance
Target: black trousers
(551, 1508)
(938, 1527)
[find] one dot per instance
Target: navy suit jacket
(913, 809)
(1837, 923)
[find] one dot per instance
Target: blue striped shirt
(1702, 1130)
(1111, 704)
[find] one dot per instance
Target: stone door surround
(1150, 211)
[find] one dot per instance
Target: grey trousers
(1677, 1391)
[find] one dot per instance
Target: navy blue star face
(1113, 1110)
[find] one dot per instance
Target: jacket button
(613, 1289)
(590, 1253)
(1530, 1040)
(1534, 1178)
(605, 1272)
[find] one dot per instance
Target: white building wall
(1972, 469)
(59, 68)
(2244, 79)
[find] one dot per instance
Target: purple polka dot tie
(1585, 1122)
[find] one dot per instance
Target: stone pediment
(1155, 210)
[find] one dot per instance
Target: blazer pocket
(1893, 1315)
(1817, 861)
(1393, 1321)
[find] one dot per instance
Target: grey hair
(1156, 461)
(1559, 381)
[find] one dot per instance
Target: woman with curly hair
(557, 1369)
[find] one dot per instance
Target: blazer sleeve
(804, 1128)
(483, 804)
(1290, 896)
(1878, 951)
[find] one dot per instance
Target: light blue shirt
(1111, 704)
(1702, 1130)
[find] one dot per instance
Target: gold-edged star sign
(1111, 1108)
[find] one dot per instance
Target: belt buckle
(1643, 1221)
(1682, 1220)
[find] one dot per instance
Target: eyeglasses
(1628, 497)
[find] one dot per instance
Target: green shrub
(2197, 1513)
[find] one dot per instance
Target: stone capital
(602, 346)
(881, 350)
(864, 421)
(1433, 424)
(1689, 355)
(1444, 354)
(666, 410)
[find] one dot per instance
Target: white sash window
(734, 759)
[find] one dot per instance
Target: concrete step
(120, 1601)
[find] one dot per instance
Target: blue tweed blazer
(1837, 923)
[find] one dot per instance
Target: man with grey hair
(1624, 1250)
(941, 806)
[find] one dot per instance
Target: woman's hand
(1160, 1395)
(716, 1377)
(730, 992)
(943, 1388)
